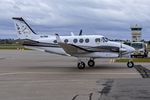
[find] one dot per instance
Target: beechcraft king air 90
(83, 46)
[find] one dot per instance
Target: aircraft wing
(70, 48)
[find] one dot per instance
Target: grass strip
(134, 60)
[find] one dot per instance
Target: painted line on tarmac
(66, 73)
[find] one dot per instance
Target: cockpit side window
(97, 40)
(104, 39)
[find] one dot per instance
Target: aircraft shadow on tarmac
(74, 68)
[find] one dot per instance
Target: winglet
(58, 38)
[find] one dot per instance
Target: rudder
(23, 29)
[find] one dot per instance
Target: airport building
(136, 33)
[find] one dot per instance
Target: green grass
(148, 47)
(12, 46)
(135, 60)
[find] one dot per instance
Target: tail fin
(23, 29)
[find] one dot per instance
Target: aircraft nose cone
(129, 49)
(132, 50)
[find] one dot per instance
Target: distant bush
(7, 41)
(127, 43)
(148, 42)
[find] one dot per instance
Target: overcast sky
(111, 18)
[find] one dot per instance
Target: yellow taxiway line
(67, 73)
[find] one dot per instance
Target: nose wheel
(81, 65)
(130, 64)
(91, 63)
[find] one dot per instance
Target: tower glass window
(136, 29)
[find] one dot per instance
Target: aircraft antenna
(80, 32)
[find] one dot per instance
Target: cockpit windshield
(105, 39)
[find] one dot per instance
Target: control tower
(136, 33)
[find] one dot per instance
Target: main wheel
(130, 64)
(81, 65)
(91, 63)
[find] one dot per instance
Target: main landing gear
(91, 63)
(81, 64)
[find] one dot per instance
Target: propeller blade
(121, 44)
(121, 50)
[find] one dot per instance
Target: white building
(136, 33)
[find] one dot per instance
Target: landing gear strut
(81, 65)
(91, 63)
(130, 63)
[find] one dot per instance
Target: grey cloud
(106, 17)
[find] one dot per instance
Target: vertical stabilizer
(23, 29)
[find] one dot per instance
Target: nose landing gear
(130, 64)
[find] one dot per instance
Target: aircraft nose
(131, 50)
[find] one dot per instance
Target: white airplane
(83, 46)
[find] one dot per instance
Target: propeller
(80, 32)
(120, 51)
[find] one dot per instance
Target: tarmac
(35, 75)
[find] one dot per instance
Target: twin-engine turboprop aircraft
(83, 46)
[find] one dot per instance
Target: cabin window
(66, 40)
(97, 40)
(55, 41)
(81, 40)
(75, 40)
(87, 40)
